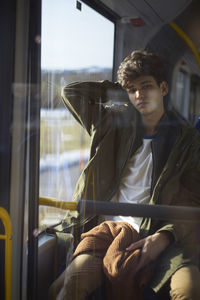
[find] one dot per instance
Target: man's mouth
(141, 104)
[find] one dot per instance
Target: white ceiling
(153, 12)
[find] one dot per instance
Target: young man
(140, 153)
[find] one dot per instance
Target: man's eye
(148, 86)
(132, 91)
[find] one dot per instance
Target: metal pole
(161, 212)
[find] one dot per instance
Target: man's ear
(164, 88)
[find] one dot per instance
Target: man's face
(147, 96)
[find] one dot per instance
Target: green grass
(62, 136)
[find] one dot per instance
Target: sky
(74, 39)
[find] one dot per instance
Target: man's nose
(138, 94)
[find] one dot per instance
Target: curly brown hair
(141, 63)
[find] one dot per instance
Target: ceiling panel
(167, 10)
(153, 12)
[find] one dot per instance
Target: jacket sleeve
(89, 101)
(189, 194)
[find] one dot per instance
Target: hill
(53, 80)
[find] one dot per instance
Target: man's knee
(56, 287)
(82, 277)
(185, 284)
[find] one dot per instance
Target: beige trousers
(185, 284)
(85, 274)
(80, 279)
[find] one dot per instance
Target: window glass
(194, 107)
(182, 92)
(77, 45)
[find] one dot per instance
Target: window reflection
(64, 145)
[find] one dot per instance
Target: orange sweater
(109, 240)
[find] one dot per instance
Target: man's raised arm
(87, 101)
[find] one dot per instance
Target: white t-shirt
(136, 183)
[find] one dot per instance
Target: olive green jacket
(104, 110)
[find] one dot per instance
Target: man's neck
(150, 124)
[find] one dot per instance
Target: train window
(194, 108)
(77, 45)
(182, 92)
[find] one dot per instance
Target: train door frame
(24, 159)
(7, 40)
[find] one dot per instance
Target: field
(59, 133)
(63, 148)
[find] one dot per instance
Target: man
(140, 153)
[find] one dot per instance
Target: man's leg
(82, 277)
(185, 284)
(56, 287)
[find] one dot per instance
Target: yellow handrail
(48, 201)
(188, 41)
(4, 216)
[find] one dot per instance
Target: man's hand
(151, 247)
